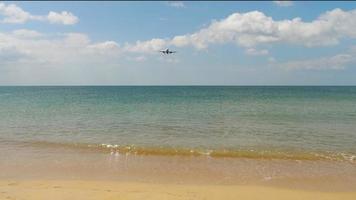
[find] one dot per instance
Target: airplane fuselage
(167, 51)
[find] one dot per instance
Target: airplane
(167, 51)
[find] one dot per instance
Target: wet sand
(45, 189)
(28, 173)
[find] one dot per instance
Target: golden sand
(116, 190)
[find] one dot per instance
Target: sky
(217, 43)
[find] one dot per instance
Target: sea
(212, 124)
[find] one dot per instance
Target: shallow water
(199, 134)
(234, 118)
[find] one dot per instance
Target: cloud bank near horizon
(254, 32)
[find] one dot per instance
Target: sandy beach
(178, 100)
(47, 173)
(110, 190)
(268, 143)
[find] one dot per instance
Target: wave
(218, 153)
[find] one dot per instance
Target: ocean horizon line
(84, 85)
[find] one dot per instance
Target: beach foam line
(118, 150)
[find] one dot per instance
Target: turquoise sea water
(183, 119)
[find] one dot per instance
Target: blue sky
(218, 43)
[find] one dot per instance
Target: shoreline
(244, 152)
(28, 163)
(109, 190)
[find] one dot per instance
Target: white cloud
(336, 62)
(180, 41)
(150, 46)
(169, 59)
(25, 33)
(64, 17)
(20, 48)
(256, 52)
(105, 48)
(176, 4)
(248, 30)
(271, 59)
(108, 45)
(284, 3)
(10, 54)
(255, 28)
(16, 15)
(76, 39)
(140, 58)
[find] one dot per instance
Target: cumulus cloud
(271, 59)
(12, 14)
(64, 17)
(256, 52)
(105, 48)
(284, 3)
(31, 47)
(248, 30)
(255, 28)
(25, 33)
(150, 46)
(336, 62)
(76, 39)
(168, 59)
(176, 4)
(140, 58)
(10, 54)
